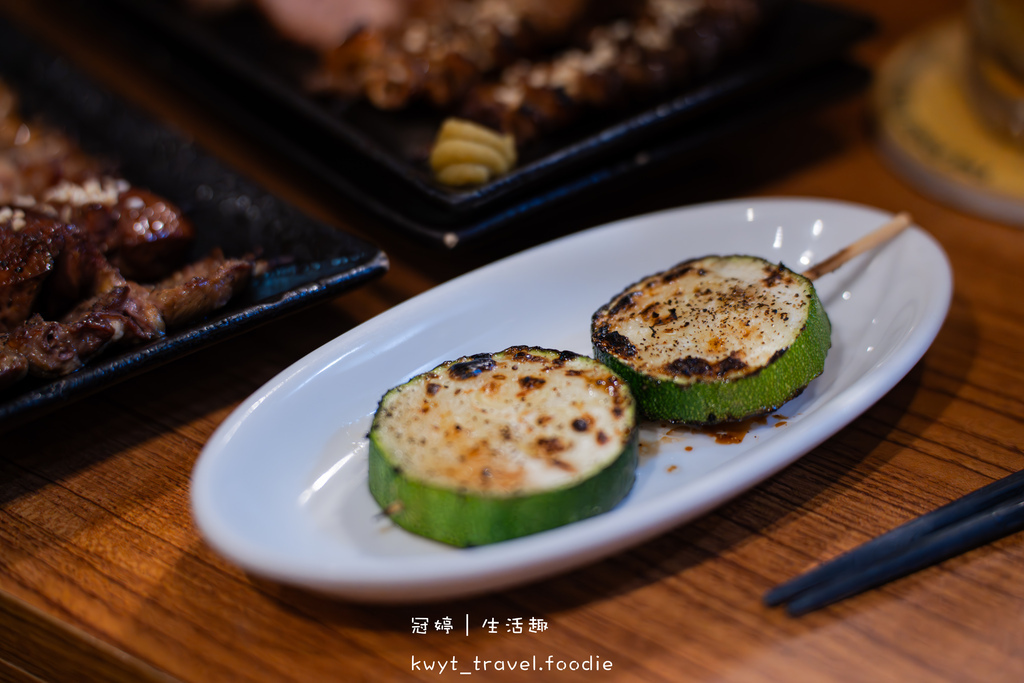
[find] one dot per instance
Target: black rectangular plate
(317, 260)
(370, 156)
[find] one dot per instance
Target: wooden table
(104, 577)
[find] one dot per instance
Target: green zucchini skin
(464, 520)
(463, 517)
(739, 395)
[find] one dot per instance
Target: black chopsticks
(991, 512)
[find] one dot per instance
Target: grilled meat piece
(80, 271)
(51, 348)
(91, 204)
(145, 236)
(200, 288)
(43, 171)
(125, 314)
(47, 266)
(29, 247)
(151, 236)
(142, 320)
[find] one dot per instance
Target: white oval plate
(280, 489)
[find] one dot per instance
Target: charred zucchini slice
(715, 339)
(495, 446)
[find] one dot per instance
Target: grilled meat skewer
(668, 44)
(126, 314)
(527, 67)
(444, 48)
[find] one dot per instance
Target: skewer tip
(876, 237)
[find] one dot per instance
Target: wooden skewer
(880, 235)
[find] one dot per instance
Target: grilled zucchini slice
(715, 339)
(495, 446)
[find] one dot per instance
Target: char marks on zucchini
(693, 340)
(494, 446)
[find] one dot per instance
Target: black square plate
(238, 64)
(318, 261)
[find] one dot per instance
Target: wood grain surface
(104, 577)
